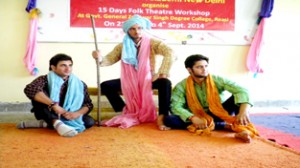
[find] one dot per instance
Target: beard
(200, 76)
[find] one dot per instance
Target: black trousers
(112, 88)
(41, 112)
(176, 122)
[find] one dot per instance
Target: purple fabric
(288, 123)
(31, 5)
(265, 10)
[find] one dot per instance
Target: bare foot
(244, 136)
(163, 128)
(160, 123)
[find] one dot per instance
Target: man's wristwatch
(50, 106)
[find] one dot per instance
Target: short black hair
(59, 57)
(192, 59)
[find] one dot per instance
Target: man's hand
(243, 117)
(71, 115)
(198, 122)
(58, 109)
(96, 55)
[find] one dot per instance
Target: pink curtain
(253, 60)
(30, 56)
(253, 63)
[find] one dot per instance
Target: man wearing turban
(137, 53)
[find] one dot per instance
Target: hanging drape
(30, 56)
(253, 58)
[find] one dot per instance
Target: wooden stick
(98, 75)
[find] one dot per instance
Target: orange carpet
(141, 146)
